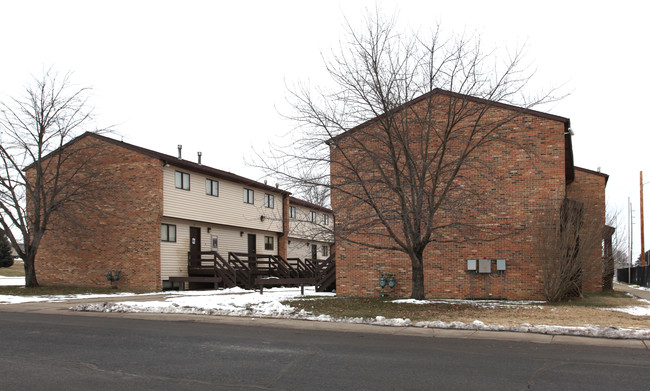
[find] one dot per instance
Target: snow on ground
(477, 303)
(637, 310)
(239, 302)
(232, 301)
(246, 303)
(8, 299)
(12, 281)
(641, 288)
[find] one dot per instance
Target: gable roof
(568, 148)
(307, 204)
(181, 163)
(592, 172)
(439, 91)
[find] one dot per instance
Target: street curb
(63, 308)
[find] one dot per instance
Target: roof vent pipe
(180, 147)
(199, 155)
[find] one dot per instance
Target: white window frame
(292, 212)
(182, 180)
(326, 220)
(312, 216)
(269, 243)
(269, 200)
(210, 187)
(249, 196)
(325, 250)
(167, 228)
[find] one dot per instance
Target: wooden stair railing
(326, 273)
(242, 268)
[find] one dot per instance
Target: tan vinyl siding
(226, 209)
(301, 226)
(230, 239)
(300, 248)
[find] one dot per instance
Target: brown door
(252, 244)
(195, 240)
(252, 249)
(314, 251)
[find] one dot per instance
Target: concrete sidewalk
(63, 308)
(640, 293)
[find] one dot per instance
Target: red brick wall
(519, 175)
(588, 187)
(118, 228)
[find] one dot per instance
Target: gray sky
(212, 75)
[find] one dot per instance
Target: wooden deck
(257, 270)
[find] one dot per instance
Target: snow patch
(12, 281)
(636, 310)
(246, 303)
(586, 331)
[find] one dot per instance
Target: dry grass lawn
(17, 270)
(583, 312)
(586, 311)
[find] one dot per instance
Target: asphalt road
(68, 352)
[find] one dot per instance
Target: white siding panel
(226, 209)
(174, 255)
(301, 226)
(299, 248)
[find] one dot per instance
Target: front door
(252, 249)
(195, 240)
(314, 251)
(252, 244)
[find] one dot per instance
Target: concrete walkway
(640, 293)
(63, 308)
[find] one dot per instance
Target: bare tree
(38, 177)
(404, 125)
(569, 241)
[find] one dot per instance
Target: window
(312, 217)
(168, 233)
(326, 220)
(268, 243)
(249, 197)
(182, 180)
(212, 187)
(268, 200)
(292, 212)
(325, 250)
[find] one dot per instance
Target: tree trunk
(30, 272)
(417, 274)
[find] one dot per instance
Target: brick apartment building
(528, 167)
(148, 208)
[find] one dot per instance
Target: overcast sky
(212, 75)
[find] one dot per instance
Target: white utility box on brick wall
(471, 265)
(485, 266)
(501, 265)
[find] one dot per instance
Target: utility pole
(642, 241)
(629, 240)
